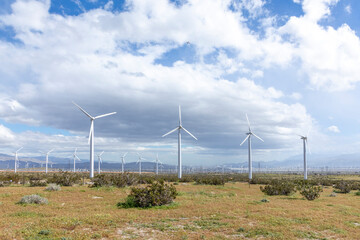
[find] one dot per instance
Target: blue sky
(290, 65)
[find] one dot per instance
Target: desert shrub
(10, 177)
(343, 186)
(210, 180)
(277, 187)
(53, 187)
(65, 178)
(33, 199)
(118, 180)
(155, 194)
(36, 182)
(310, 192)
(357, 193)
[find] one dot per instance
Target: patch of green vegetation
(210, 224)
(252, 233)
(159, 226)
(306, 234)
(26, 214)
(302, 220)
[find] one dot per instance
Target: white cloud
(6, 135)
(334, 129)
(296, 96)
(106, 62)
(329, 56)
(348, 9)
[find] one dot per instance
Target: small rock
(95, 197)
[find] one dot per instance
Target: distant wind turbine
(75, 158)
(47, 159)
(123, 162)
(91, 136)
(16, 159)
(249, 134)
(157, 161)
(99, 161)
(179, 141)
(305, 144)
(139, 162)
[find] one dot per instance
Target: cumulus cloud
(109, 61)
(334, 129)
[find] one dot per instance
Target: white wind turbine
(123, 162)
(157, 161)
(249, 134)
(139, 162)
(179, 142)
(47, 159)
(305, 144)
(91, 136)
(99, 161)
(75, 158)
(16, 159)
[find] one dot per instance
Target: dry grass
(234, 211)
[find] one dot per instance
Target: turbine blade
(77, 158)
(50, 151)
(75, 151)
(179, 115)
(104, 115)
(83, 110)
(101, 153)
(244, 140)
(91, 130)
(307, 146)
(170, 132)
(189, 133)
(257, 136)
(248, 121)
(124, 155)
(309, 131)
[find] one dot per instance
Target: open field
(232, 211)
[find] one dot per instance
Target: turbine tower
(179, 141)
(91, 136)
(305, 144)
(123, 162)
(16, 159)
(139, 162)
(99, 161)
(157, 164)
(47, 159)
(249, 134)
(75, 158)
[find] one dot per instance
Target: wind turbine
(157, 164)
(123, 162)
(99, 161)
(75, 158)
(305, 144)
(91, 136)
(249, 134)
(47, 159)
(16, 159)
(139, 162)
(179, 141)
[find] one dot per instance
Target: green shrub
(36, 182)
(310, 192)
(53, 187)
(278, 187)
(156, 194)
(210, 180)
(118, 180)
(343, 186)
(33, 199)
(65, 178)
(357, 193)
